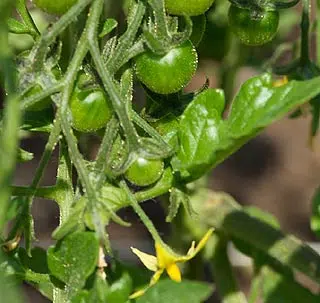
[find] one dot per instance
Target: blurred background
(277, 171)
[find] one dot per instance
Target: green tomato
(253, 29)
(90, 108)
(143, 172)
(57, 7)
(169, 73)
(168, 127)
(187, 7)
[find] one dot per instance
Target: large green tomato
(187, 7)
(169, 73)
(91, 109)
(144, 172)
(251, 29)
(57, 7)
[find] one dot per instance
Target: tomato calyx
(262, 5)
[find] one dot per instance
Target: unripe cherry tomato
(187, 7)
(57, 7)
(253, 29)
(143, 172)
(90, 108)
(167, 74)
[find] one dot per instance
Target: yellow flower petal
(174, 272)
(164, 256)
(149, 261)
(192, 248)
(193, 251)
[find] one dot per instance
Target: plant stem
(32, 100)
(121, 108)
(305, 25)
(50, 35)
(46, 155)
(223, 275)
(160, 17)
(104, 151)
(142, 215)
(121, 51)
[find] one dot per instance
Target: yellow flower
(166, 259)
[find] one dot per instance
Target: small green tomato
(143, 172)
(91, 109)
(169, 73)
(253, 29)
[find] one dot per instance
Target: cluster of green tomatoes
(253, 22)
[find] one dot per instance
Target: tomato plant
(55, 7)
(113, 146)
(143, 172)
(253, 28)
(168, 73)
(190, 8)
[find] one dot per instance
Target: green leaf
(315, 217)
(173, 292)
(108, 26)
(37, 262)
(223, 213)
(120, 290)
(201, 131)
(81, 297)
(73, 222)
(111, 198)
(258, 103)
(263, 216)
(38, 121)
(99, 292)
(117, 269)
(17, 27)
(46, 289)
(277, 289)
(206, 139)
(74, 259)
(8, 290)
